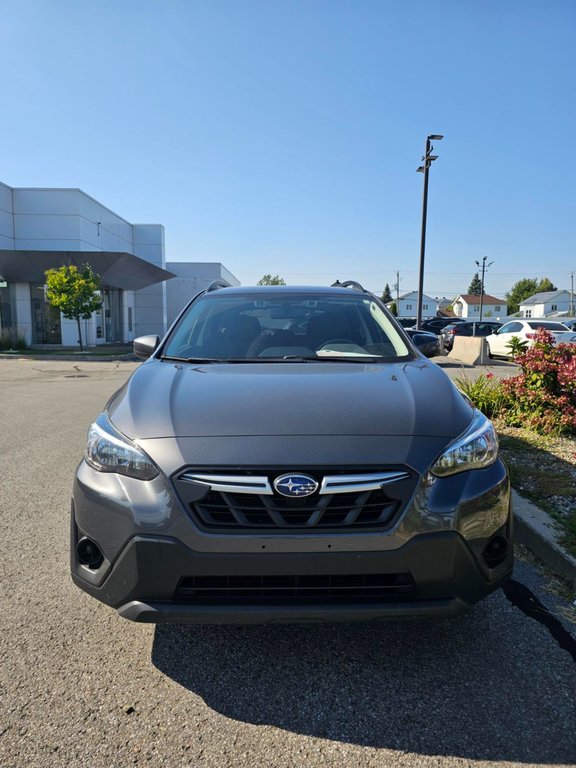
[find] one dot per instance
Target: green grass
(543, 469)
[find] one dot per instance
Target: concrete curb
(75, 358)
(537, 530)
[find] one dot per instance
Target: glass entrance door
(45, 318)
(112, 300)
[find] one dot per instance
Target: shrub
(485, 392)
(517, 346)
(543, 396)
(12, 338)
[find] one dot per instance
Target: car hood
(164, 399)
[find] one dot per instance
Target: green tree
(271, 280)
(74, 291)
(475, 287)
(525, 288)
(545, 285)
(386, 294)
(394, 309)
(521, 290)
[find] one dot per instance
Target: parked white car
(526, 331)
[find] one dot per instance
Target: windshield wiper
(192, 359)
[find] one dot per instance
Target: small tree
(525, 288)
(546, 286)
(394, 309)
(271, 280)
(386, 294)
(74, 291)
(475, 287)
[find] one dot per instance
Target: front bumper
(143, 583)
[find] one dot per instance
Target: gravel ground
(81, 687)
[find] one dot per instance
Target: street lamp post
(427, 160)
(484, 268)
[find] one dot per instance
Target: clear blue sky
(283, 136)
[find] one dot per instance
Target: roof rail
(216, 284)
(349, 284)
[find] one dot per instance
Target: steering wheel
(336, 340)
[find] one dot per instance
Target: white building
(191, 278)
(407, 305)
(468, 306)
(549, 303)
(44, 228)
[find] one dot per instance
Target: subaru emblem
(295, 486)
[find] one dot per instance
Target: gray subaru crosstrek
(287, 454)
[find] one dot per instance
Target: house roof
(414, 295)
(472, 299)
(543, 298)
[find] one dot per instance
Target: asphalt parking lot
(82, 687)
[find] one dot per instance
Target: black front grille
(301, 590)
(229, 509)
(243, 509)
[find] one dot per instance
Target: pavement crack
(524, 599)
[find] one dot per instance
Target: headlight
(108, 451)
(475, 449)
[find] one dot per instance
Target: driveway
(83, 688)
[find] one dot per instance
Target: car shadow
(468, 687)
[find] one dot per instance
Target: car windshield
(246, 327)
(549, 326)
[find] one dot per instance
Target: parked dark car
(436, 324)
(286, 454)
(406, 322)
(472, 328)
(428, 343)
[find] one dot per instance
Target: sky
(283, 136)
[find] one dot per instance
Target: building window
(45, 318)
(554, 308)
(424, 306)
(129, 319)
(408, 306)
(476, 309)
(497, 309)
(528, 313)
(7, 306)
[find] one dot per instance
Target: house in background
(468, 306)
(41, 228)
(445, 308)
(407, 305)
(549, 303)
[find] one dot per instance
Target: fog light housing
(495, 551)
(89, 553)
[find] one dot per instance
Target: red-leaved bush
(543, 396)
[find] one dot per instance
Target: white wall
(149, 303)
(70, 332)
(67, 220)
(6, 218)
(191, 278)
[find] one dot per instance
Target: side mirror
(144, 346)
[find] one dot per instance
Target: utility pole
(571, 294)
(427, 158)
(396, 286)
(484, 268)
